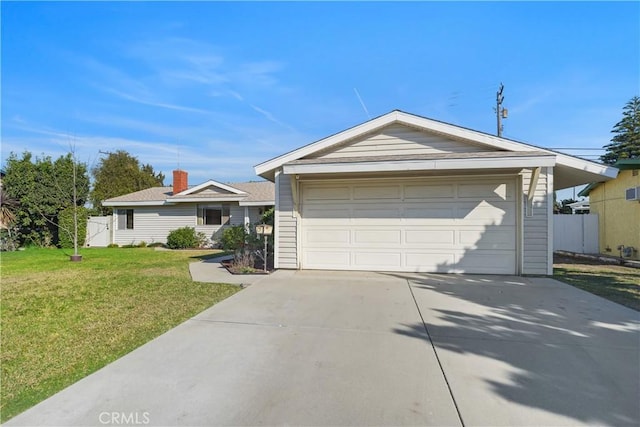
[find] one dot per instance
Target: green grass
(613, 282)
(62, 321)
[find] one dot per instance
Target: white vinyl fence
(576, 233)
(98, 231)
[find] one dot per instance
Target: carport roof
(569, 171)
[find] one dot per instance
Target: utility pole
(501, 113)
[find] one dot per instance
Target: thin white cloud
(270, 117)
(143, 101)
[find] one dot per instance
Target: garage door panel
(425, 212)
(435, 226)
(376, 212)
(429, 261)
(324, 193)
(386, 237)
(328, 237)
(498, 262)
(421, 192)
(500, 238)
(486, 191)
(377, 260)
(321, 215)
(328, 259)
(377, 192)
(485, 215)
(427, 238)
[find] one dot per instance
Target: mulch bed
(257, 268)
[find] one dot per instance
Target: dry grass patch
(614, 282)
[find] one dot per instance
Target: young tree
(625, 143)
(120, 173)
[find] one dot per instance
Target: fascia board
(587, 166)
(433, 126)
(263, 203)
(147, 203)
(326, 142)
(440, 164)
(204, 199)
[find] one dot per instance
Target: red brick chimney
(180, 181)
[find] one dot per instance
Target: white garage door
(454, 225)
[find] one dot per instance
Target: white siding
(286, 224)
(400, 140)
(536, 239)
(152, 224)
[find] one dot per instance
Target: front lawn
(613, 282)
(62, 321)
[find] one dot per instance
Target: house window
(213, 215)
(125, 219)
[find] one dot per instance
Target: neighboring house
(617, 203)
(406, 193)
(149, 215)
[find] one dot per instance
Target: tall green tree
(120, 173)
(43, 188)
(625, 143)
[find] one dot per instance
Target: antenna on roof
(178, 157)
(364, 107)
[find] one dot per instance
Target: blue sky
(217, 87)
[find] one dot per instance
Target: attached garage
(405, 193)
(425, 225)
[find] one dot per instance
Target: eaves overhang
(493, 161)
(569, 171)
(258, 203)
(137, 203)
(182, 199)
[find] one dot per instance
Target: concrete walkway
(212, 271)
(338, 348)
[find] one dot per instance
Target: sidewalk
(212, 271)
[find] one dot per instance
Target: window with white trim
(125, 219)
(213, 215)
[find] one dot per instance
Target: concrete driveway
(331, 348)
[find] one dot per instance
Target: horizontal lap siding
(536, 241)
(153, 224)
(286, 228)
(400, 140)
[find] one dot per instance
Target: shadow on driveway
(544, 345)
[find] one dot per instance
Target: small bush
(142, 244)
(233, 238)
(113, 245)
(183, 238)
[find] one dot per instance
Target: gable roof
(245, 193)
(569, 170)
(624, 164)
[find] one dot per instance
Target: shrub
(66, 228)
(183, 238)
(233, 238)
(113, 245)
(142, 244)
